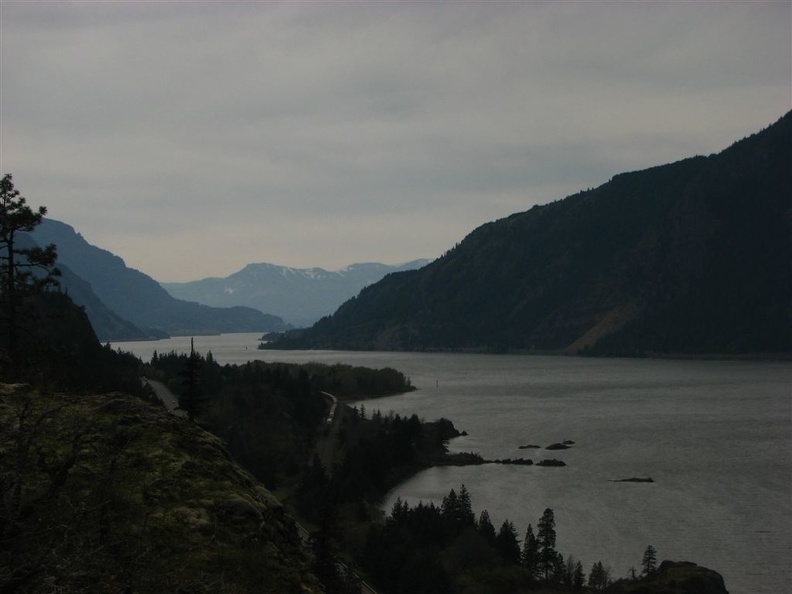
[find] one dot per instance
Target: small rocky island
(551, 462)
(561, 445)
(472, 459)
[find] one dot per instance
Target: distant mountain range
(299, 295)
(124, 304)
(690, 257)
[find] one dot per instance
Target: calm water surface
(716, 437)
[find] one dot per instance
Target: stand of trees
(270, 414)
(25, 272)
(431, 548)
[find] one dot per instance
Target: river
(715, 436)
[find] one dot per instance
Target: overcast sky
(192, 138)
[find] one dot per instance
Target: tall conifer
(547, 542)
(23, 271)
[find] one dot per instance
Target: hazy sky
(192, 138)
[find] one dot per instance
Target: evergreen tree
(530, 553)
(546, 536)
(449, 507)
(579, 577)
(569, 571)
(559, 571)
(597, 579)
(312, 492)
(190, 397)
(456, 511)
(507, 543)
(24, 272)
(400, 510)
(485, 528)
(649, 561)
(325, 563)
(466, 515)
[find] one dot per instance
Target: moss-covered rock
(106, 493)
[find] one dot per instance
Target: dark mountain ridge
(690, 257)
(138, 298)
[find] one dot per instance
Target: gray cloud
(191, 137)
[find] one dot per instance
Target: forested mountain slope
(107, 324)
(690, 257)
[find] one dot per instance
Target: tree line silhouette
(429, 548)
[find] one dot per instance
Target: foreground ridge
(107, 493)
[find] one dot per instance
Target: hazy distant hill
(105, 322)
(299, 296)
(691, 257)
(137, 297)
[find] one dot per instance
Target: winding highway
(167, 397)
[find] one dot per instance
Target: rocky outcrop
(114, 495)
(675, 577)
(551, 462)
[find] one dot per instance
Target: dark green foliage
(348, 381)
(388, 449)
(507, 543)
(403, 553)
(486, 529)
(25, 272)
(429, 549)
(326, 565)
(546, 540)
(578, 577)
(640, 264)
(191, 399)
(269, 412)
(456, 510)
(312, 492)
(598, 577)
(649, 561)
(560, 570)
(471, 558)
(61, 352)
(265, 412)
(530, 554)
